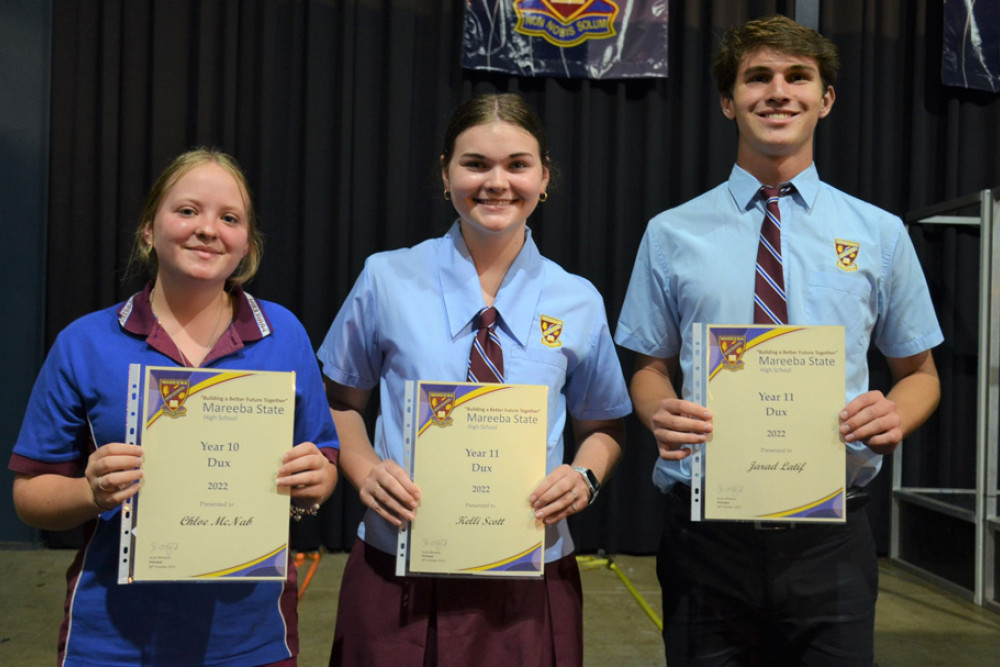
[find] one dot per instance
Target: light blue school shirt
(696, 263)
(409, 316)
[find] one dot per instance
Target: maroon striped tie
(770, 304)
(486, 356)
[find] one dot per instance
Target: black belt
(855, 499)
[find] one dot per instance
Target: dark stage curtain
(336, 109)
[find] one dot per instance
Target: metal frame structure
(976, 506)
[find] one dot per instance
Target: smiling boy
(734, 593)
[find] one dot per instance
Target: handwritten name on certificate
(477, 453)
(209, 506)
(775, 453)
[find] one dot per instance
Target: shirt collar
(249, 324)
(463, 297)
(744, 187)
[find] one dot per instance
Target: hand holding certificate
(209, 507)
(477, 451)
(775, 452)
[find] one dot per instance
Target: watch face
(590, 478)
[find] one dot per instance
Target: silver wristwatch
(591, 479)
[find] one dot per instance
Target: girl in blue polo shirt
(198, 238)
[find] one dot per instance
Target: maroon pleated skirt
(383, 619)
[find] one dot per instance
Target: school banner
(581, 39)
(971, 46)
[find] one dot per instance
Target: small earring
(543, 197)
(447, 194)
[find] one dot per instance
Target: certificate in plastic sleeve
(209, 508)
(476, 451)
(775, 452)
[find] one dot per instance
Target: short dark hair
(779, 33)
(506, 107)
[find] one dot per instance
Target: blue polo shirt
(79, 402)
(410, 315)
(696, 263)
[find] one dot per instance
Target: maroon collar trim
(249, 324)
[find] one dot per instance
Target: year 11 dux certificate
(476, 451)
(775, 452)
(209, 508)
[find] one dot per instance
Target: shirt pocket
(533, 366)
(846, 300)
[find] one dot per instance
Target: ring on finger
(100, 483)
(573, 506)
(573, 491)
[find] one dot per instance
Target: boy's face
(777, 101)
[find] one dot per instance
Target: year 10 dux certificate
(476, 451)
(209, 508)
(775, 453)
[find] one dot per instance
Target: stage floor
(917, 624)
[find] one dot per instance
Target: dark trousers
(735, 594)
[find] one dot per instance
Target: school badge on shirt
(442, 403)
(174, 392)
(847, 254)
(732, 348)
(551, 330)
